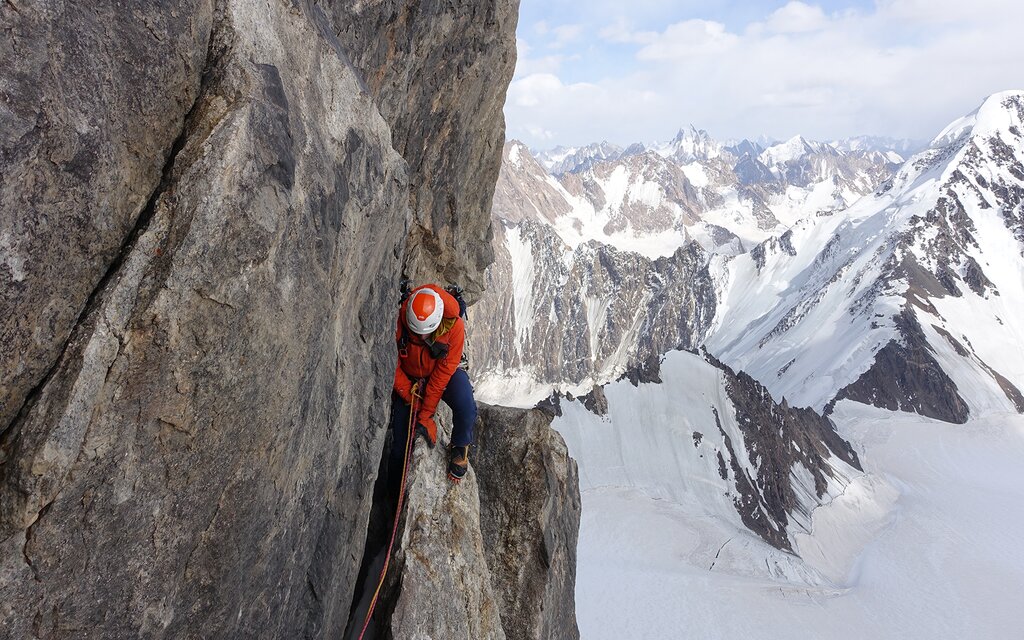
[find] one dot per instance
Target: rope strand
(409, 441)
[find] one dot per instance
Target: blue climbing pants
(458, 395)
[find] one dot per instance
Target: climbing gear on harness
(458, 463)
(424, 311)
(409, 442)
(437, 350)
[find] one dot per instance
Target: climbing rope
(409, 441)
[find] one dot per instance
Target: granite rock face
(204, 222)
(442, 585)
(85, 130)
(439, 72)
(198, 458)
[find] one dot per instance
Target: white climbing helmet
(424, 312)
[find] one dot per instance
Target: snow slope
(923, 546)
(684, 441)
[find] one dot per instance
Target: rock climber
(431, 335)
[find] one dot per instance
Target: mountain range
(817, 272)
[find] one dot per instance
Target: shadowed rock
(530, 517)
(439, 72)
(199, 459)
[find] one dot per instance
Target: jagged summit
(561, 160)
(690, 144)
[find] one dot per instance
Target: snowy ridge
(837, 280)
(557, 232)
(936, 247)
(940, 505)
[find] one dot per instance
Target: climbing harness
(410, 439)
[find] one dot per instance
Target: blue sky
(640, 69)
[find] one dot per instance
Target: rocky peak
(561, 161)
(907, 264)
(691, 144)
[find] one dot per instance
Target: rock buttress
(199, 458)
(84, 131)
(530, 517)
(494, 556)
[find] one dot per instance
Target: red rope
(409, 441)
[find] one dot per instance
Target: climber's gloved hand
(426, 427)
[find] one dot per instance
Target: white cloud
(566, 34)
(796, 17)
(526, 64)
(621, 32)
(904, 68)
(687, 39)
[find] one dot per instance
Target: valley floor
(926, 545)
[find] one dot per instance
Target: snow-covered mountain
(821, 271)
(903, 147)
(911, 299)
(814, 280)
(571, 159)
(690, 145)
(606, 267)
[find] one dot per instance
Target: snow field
(924, 545)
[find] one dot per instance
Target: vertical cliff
(439, 71)
(205, 215)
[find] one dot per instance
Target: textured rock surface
(439, 71)
(906, 377)
(200, 458)
(84, 131)
(779, 439)
(530, 517)
(443, 588)
(204, 214)
(494, 556)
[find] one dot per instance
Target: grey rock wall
(204, 220)
(530, 517)
(198, 458)
(85, 129)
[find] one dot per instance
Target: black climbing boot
(458, 463)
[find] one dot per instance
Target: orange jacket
(414, 361)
